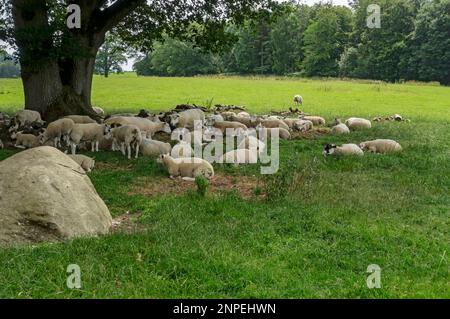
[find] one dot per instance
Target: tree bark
(62, 86)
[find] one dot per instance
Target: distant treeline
(8, 68)
(413, 43)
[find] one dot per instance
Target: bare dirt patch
(127, 223)
(247, 186)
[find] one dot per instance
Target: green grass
(314, 239)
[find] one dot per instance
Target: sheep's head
(329, 149)
(161, 158)
(166, 128)
(107, 131)
(174, 120)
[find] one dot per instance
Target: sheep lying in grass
(274, 123)
(153, 148)
(28, 117)
(240, 156)
(92, 132)
(224, 125)
(268, 132)
(227, 116)
(340, 129)
(182, 149)
(25, 140)
(299, 124)
(381, 146)
(127, 136)
(316, 120)
(355, 123)
(249, 121)
(86, 163)
(187, 118)
(58, 129)
(243, 114)
(345, 149)
(187, 168)
(81, 119)
(211, 118)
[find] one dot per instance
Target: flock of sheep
(135, 134)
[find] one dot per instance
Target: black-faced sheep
(345, 149)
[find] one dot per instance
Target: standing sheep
(81, 119)
(153, 148)
(58, 129)
(298, 99)
(93, 133)
(128, 136)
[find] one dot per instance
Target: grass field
(324, 221)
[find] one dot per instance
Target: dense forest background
(323, 40)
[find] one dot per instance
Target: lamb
(128, 136)
(267, 132)
(187, 168)
(316, 120)
(86, 163)
(355, 123)
(91, 132)
(26, 140)
(274, 123)
(81, 119)
(153, 148)
(146, 126)
(340, 129)
(298, 99)
(336, 121)
(28, 117)
(187, 118)
(211, 118)
(58, 129)
(182, 149)
(98, 110)
(381, 146)
(345, 149)
(224, 125)
(240, 156)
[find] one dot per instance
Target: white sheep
(187, 168)
(268, 132)
(243, 114)
(355, 123)
(28, 117)
(345, 149)
(153, 148)
(249, 121)
(148, 127)
(240, 156)
(58, 129)
(26, 140)
(182, 149)
(81, 119)
(92, 132)
(317, 120)
(127, 136)
(187, 118)
(381, 146)
(228, 115)
(274, 123)
(340, 129)
(223, 126)
(211, 118)
(298, 99)
(86, 163)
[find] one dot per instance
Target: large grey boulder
(46, 196)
